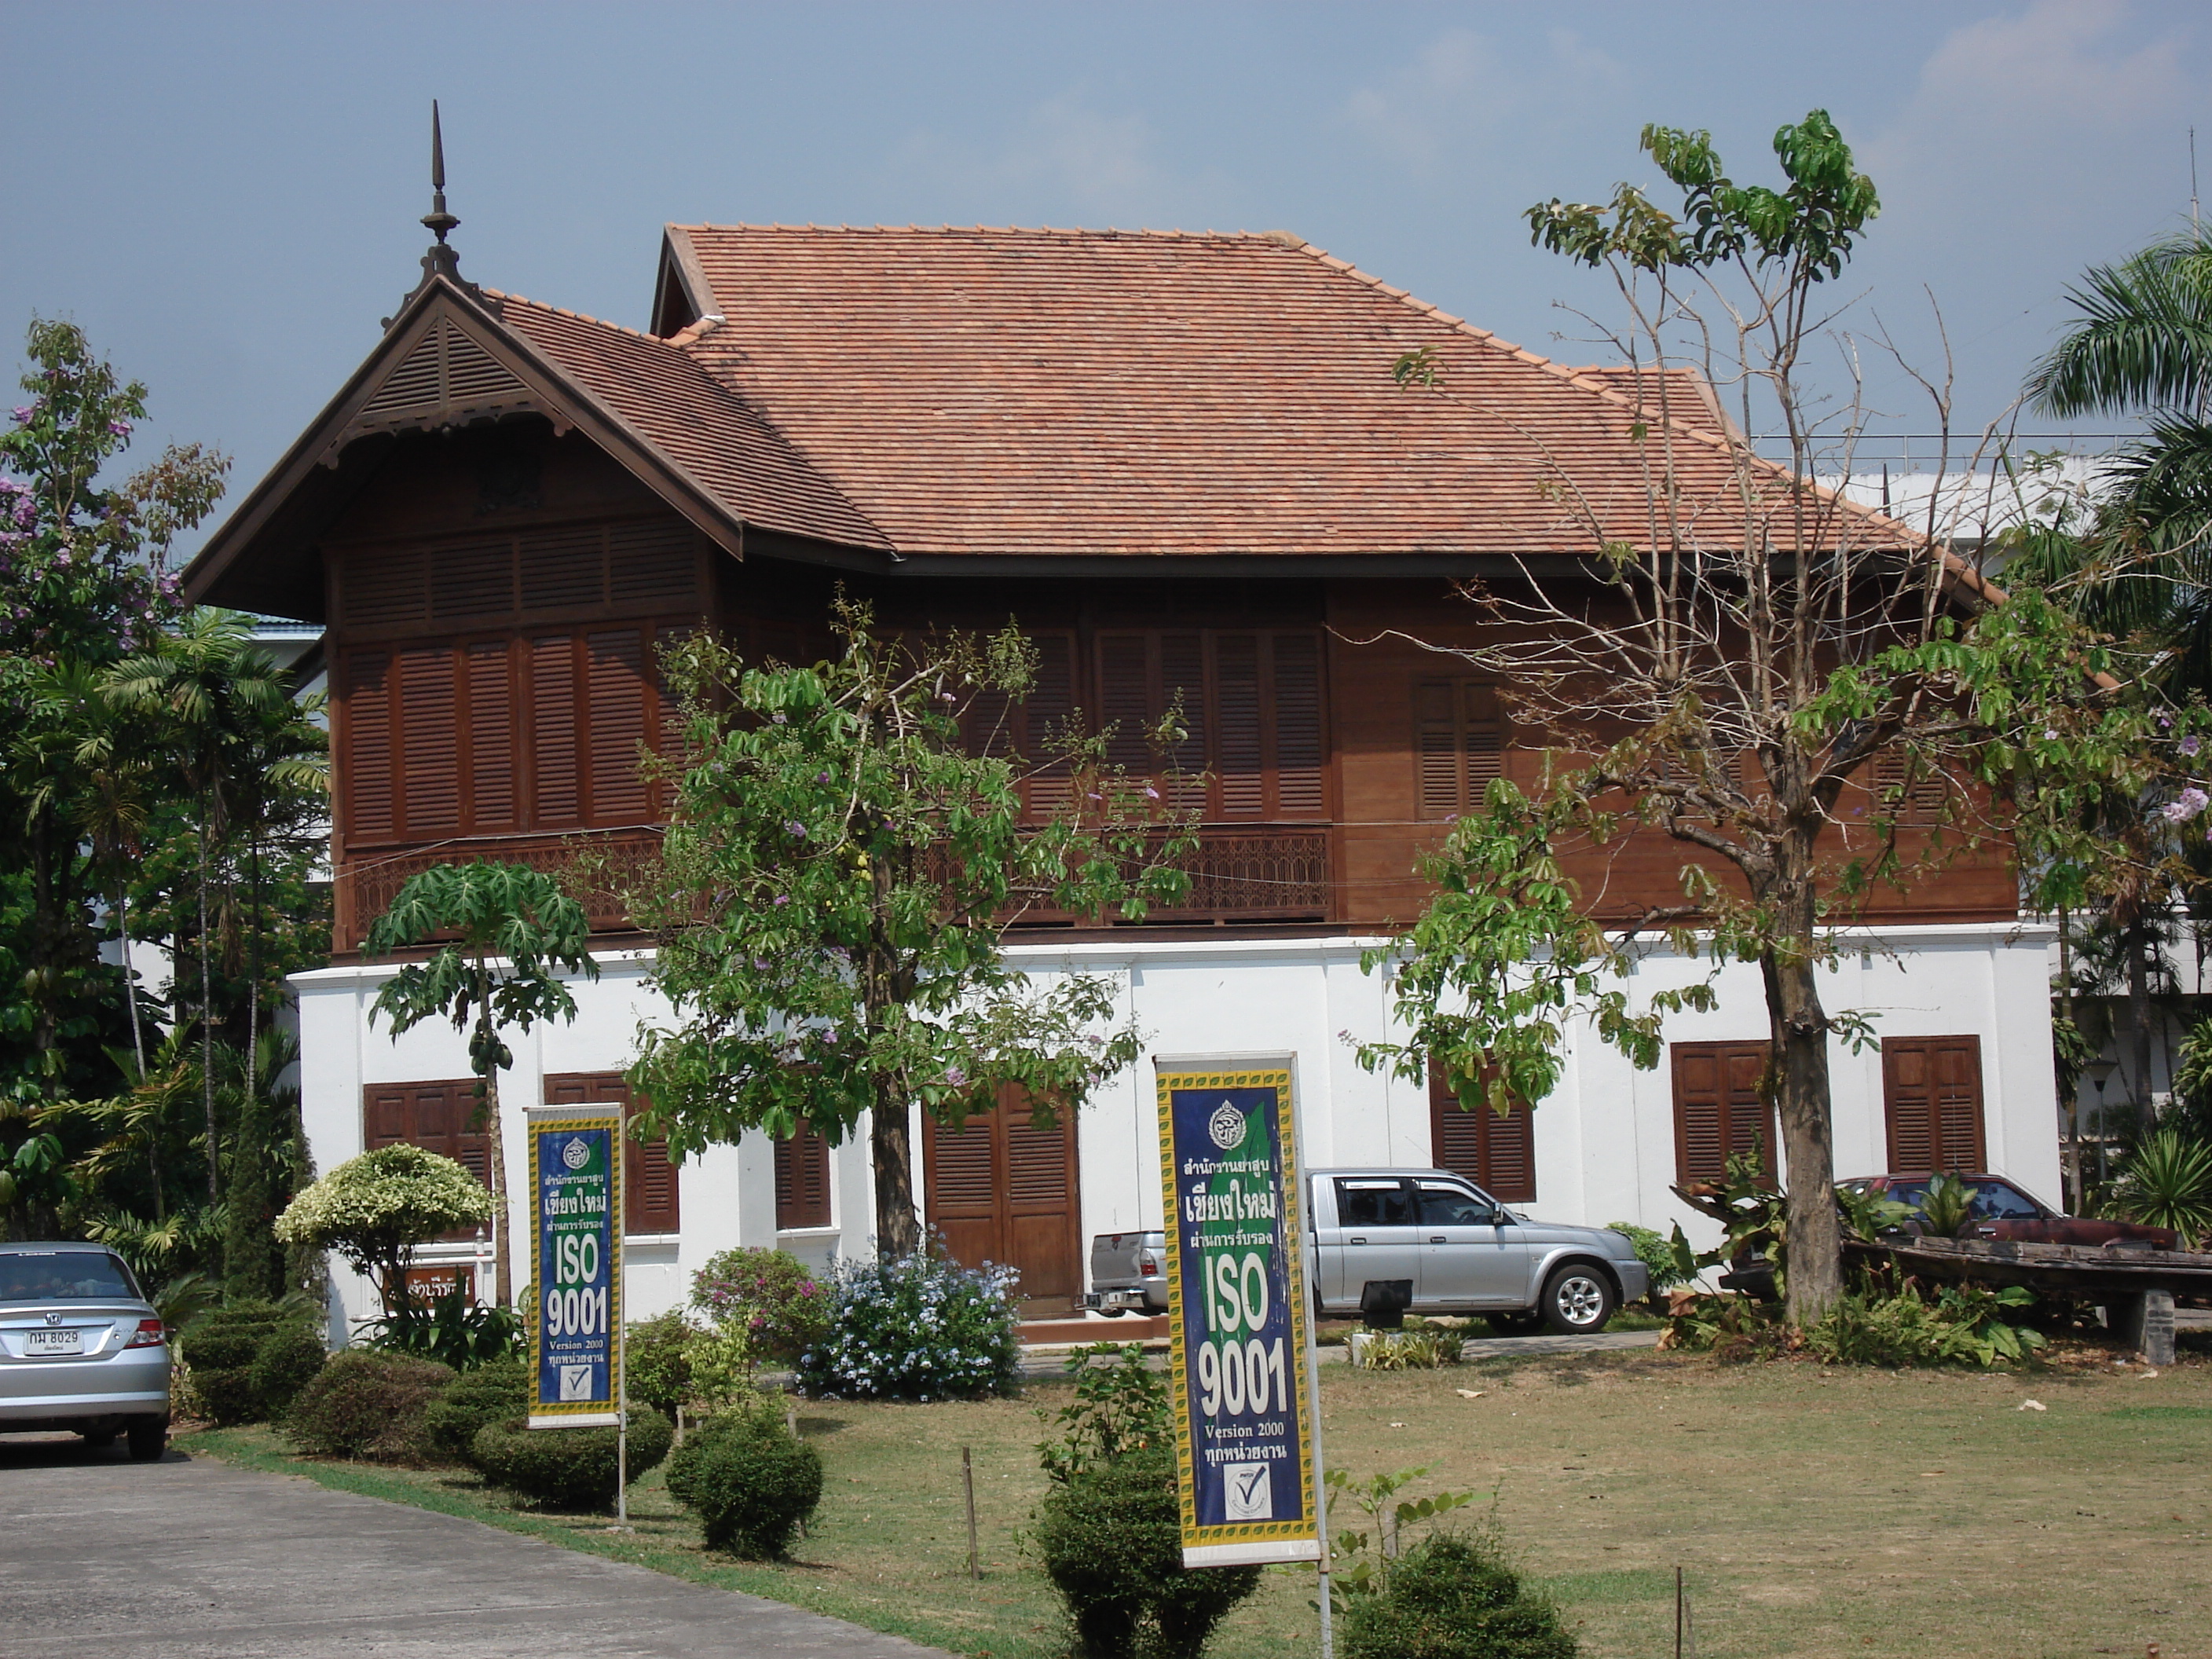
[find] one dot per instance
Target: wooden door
(1931, 1092)
(1004, 1189)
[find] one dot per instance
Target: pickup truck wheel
(1577, 1301)
(149, 1438)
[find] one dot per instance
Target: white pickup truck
(1388, 1241)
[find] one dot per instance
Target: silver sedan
(81, 1348)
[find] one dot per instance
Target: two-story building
(1182, 463)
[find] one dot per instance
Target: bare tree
(1727, 657)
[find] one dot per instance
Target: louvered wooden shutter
(655, 563)
(564, 569)
(1932, 1097)
(490, 730)
(802, 1180)
(1498, 1154)
(365, 719)
(651, 1198)
(617, 715)
(1298, 742)
(1045, 717)
(1458, 744)
(472, 580)
(438, 1116)
(1125, 701)
(1719, 1111)
(1239, 747)
(1182, 685)
(1915, 798)
(429, 748)
(557, 795)
(384, 587)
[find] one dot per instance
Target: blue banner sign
(1237, 1311)
(575, 1216)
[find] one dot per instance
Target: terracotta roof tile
(991, 391)
(701, 424)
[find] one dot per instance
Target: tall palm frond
(2144, 337)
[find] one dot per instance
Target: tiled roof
(698, 422)
(1139, 393)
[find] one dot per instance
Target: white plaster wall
(1604, 1142)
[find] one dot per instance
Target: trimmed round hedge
(365, 1404)
(1111, 1542)
(1451, 1597)
(494, 1392)
(567, 1468)
(750, 1481)
(249, 1358)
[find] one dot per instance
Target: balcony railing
(1240, 873)
(367, 884)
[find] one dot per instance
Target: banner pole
(621, 1424)
(1313, 1435)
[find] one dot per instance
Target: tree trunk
(890, 1149)
(1800, 1068)
(503, 1267)
(2141, 941)
(207, 1021)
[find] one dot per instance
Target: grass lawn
(1863, 1512)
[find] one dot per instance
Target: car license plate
(53, 1342)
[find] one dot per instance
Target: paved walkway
(190, 1560)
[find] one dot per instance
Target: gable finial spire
(437, 221)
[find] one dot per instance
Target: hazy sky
(226, 196)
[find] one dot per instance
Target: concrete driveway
(187, 1558)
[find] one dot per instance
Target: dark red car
(2002, 1210)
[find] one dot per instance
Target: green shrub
(364, 1404)
(750, 1481)
(1421, 1346)
(220, 1347)
(1963, 1326)
(920, 1327)
(567, 1468)
(493, 1393)
(288, 1359)
(781, 1303)
(1655, 1252)
(454, 1330)
(1110, 1538)
(1451, 1597)
(659, 1358)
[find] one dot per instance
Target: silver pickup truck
(1388, 1241)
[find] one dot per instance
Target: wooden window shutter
(565, 568)
(1125, 703)
(1045, 715)
(429, 750)
(616, 713)
(472, 580)
(1458, 744)
(650, 1189)
(652, 563)
(490, 733)
(557, 795)
(365, 718)
(802, 1180)
(1916, 798)
(1498, 1154)
(1718, 1110)
(1931, 1091)
(1182, 684)
(439, 1117)
(1299, 744)
(1239, 747)
(384, 587)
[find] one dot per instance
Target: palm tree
(508, 927)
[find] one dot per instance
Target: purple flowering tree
(845, 853)
(84, 581)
